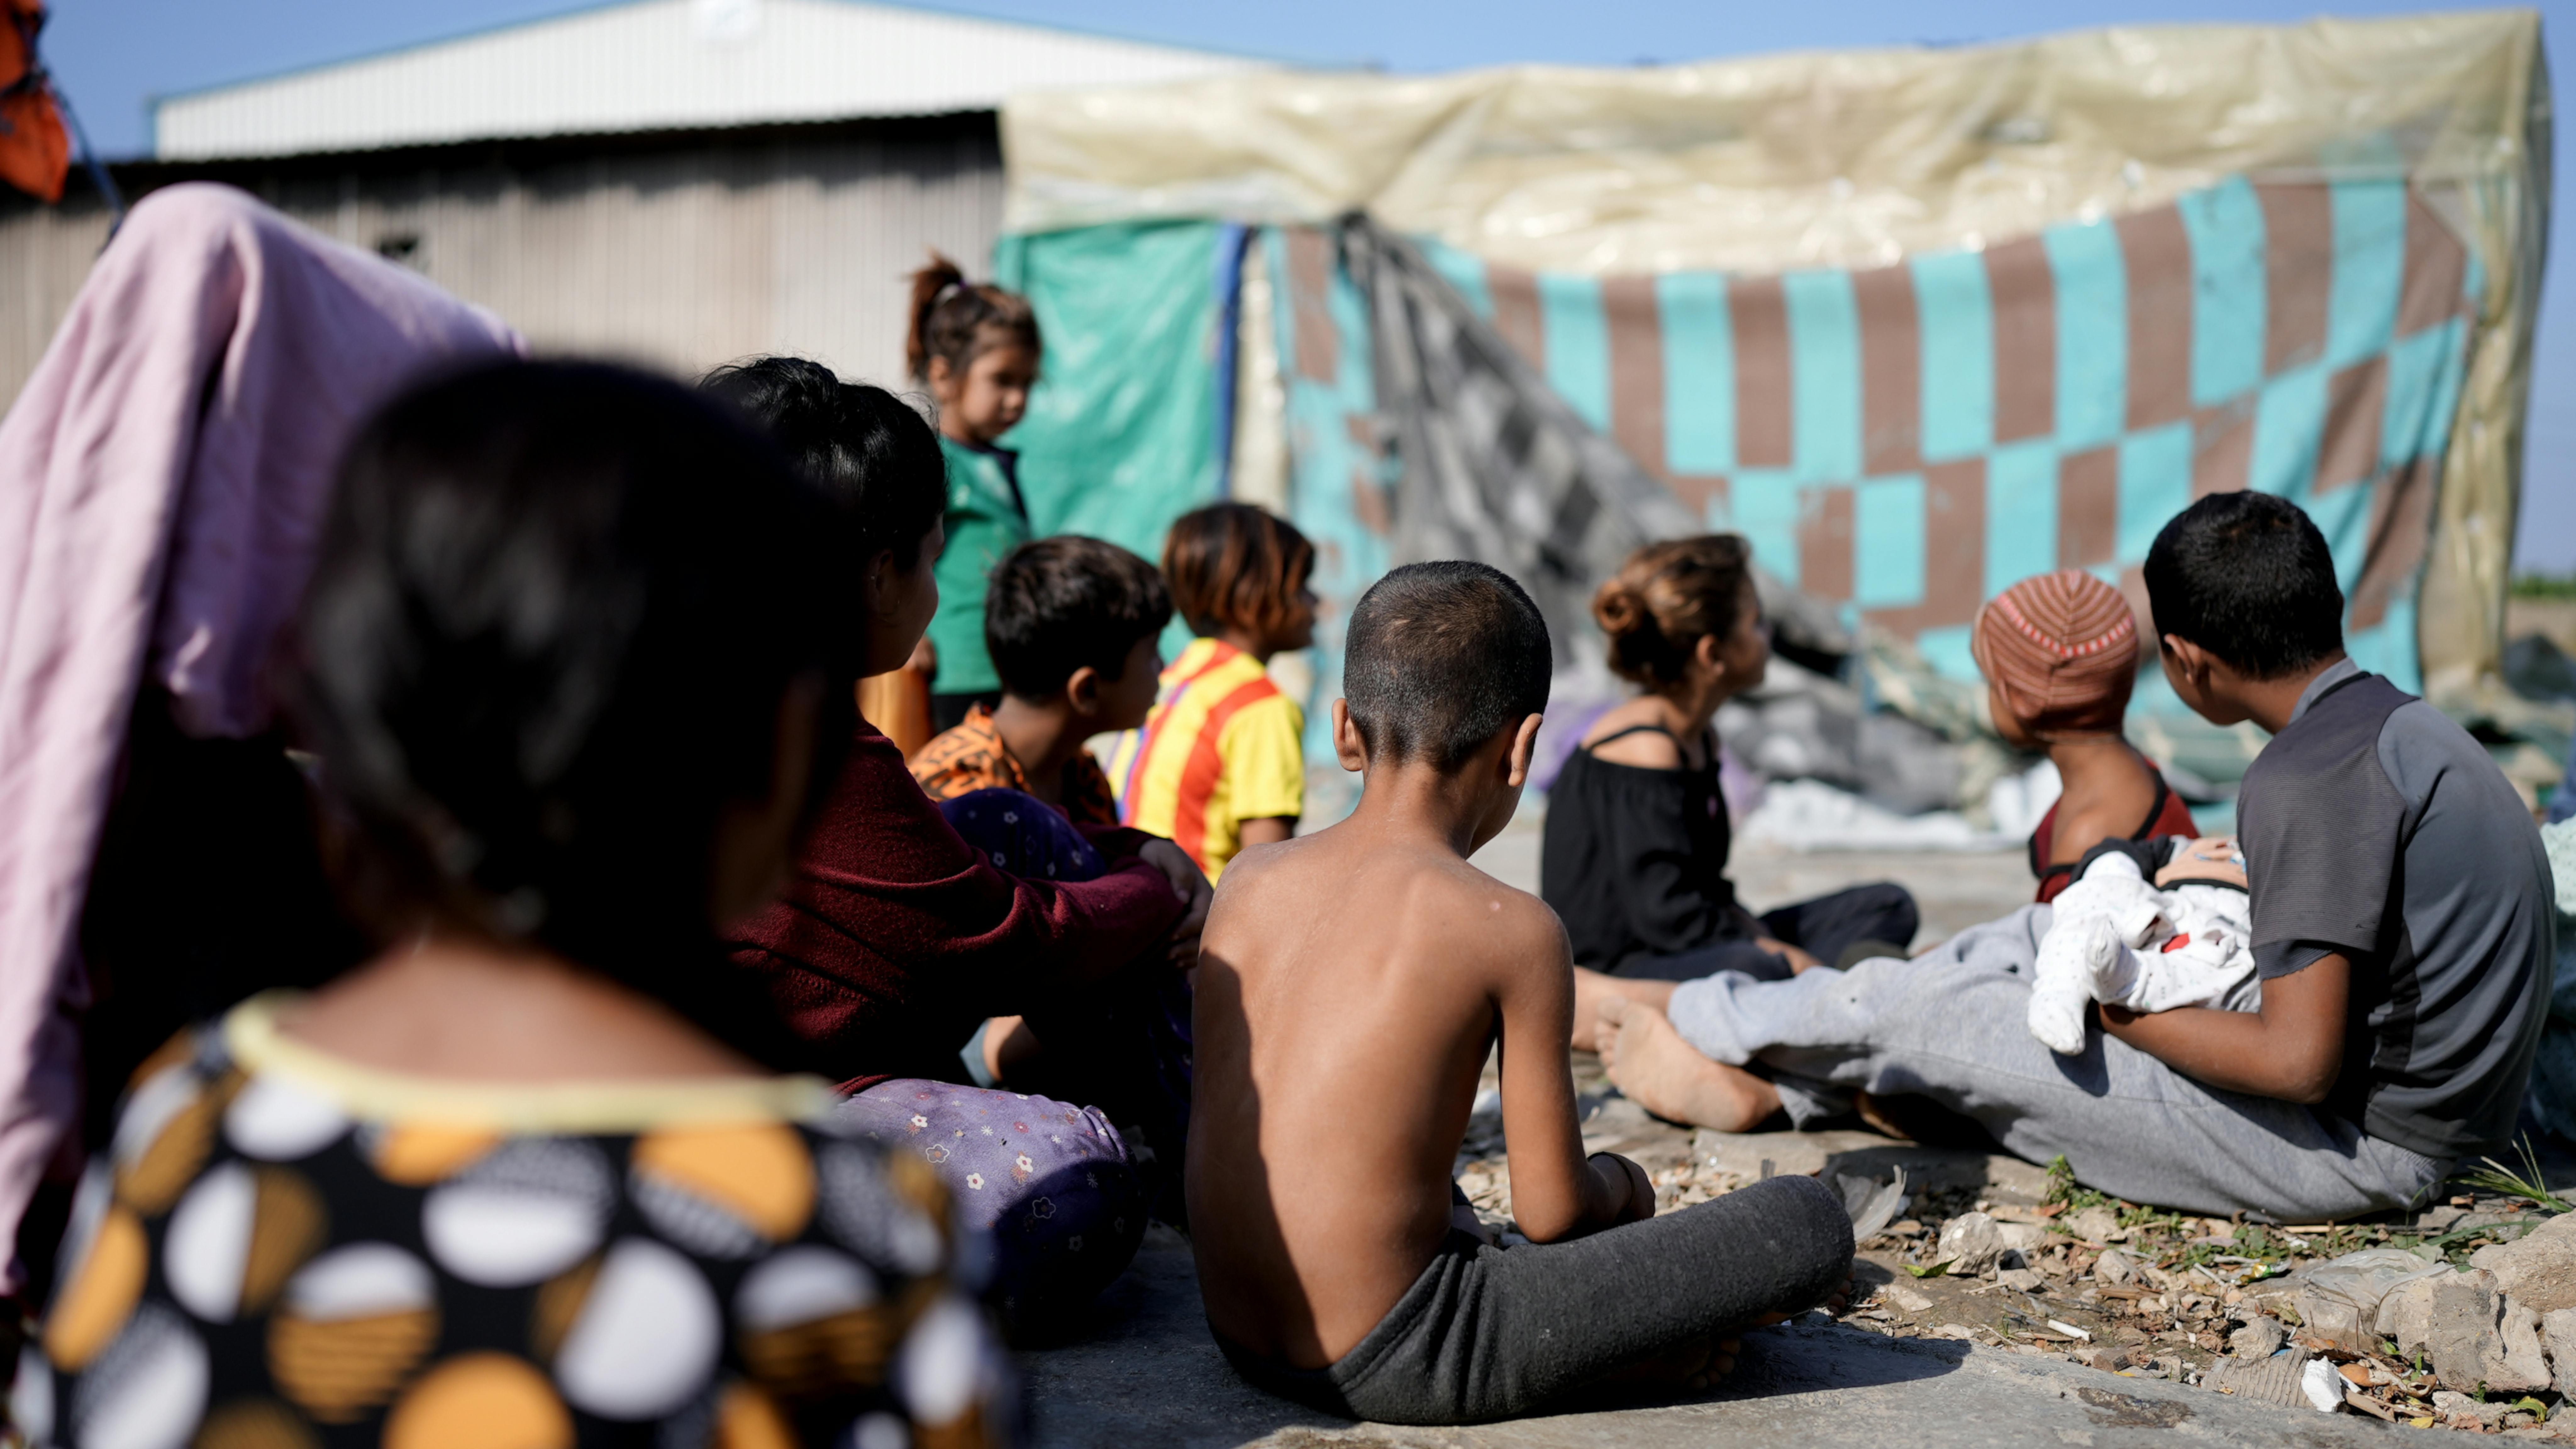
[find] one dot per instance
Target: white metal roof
(657, 65)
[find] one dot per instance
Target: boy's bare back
(1349, 986)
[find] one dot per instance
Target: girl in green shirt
(976, 348)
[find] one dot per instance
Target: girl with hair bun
(976, 348)
(1634, 856)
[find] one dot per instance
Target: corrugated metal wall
(663, 65)
(681, 255)
(44, 254)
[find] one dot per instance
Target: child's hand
(2211, 858)
(1629, 1186)
(1191, 885)
(1463, 1218)
(1798, 960)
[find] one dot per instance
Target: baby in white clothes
(2183, 939)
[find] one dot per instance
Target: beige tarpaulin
(1862, 159)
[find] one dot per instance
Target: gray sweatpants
(1950, 1026)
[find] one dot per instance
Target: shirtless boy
(1350, 985)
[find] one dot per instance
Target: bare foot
(1835, 1302)
(1667, 1076)
(1591, 988)
(1839, 1299)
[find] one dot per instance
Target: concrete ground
(1143, 1372)
(1953, 888)
(1146, 1374)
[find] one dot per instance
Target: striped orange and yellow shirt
(1220, 748)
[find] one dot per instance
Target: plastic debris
(2323, 1386)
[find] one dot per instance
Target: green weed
(2528, 1184)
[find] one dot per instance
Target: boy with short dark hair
(2400, 924)
(2401, 897)
(1071, 624)
(1350, 985)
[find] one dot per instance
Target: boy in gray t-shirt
(2400, 892)
(2400, 923)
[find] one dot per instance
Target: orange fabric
(1207, 765)
(973, 757)
(35, 154)
(2064, 648)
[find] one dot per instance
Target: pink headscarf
(163, 481)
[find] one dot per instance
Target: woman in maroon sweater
(896, 939)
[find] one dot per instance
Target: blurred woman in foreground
(528, 1175)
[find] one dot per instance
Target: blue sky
(113, 56)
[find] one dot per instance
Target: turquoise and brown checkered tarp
(1909, 440)
(1905, 441)
(1919, 320)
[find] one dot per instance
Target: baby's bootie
(2085, 956)
(2074, 955)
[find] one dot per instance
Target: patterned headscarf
(2064, 647)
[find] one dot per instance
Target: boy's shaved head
(1439, 657)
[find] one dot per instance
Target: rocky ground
(1999, 1303)
(2452, 1321)
(2042, 1316)
(2462, 1316)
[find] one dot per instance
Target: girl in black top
(1634, 856)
